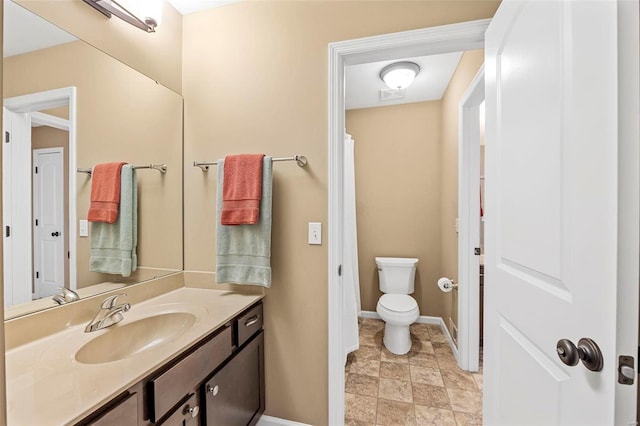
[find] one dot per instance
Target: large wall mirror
(69, 106)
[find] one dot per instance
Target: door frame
(35, 203)
(33, 103)
(427, 41)
(15, 183)
(469, 138)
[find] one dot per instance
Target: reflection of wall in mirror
(158, 55)
(122, 116)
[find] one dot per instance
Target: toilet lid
(398, 302)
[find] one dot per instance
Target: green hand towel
(113, 246)
(243, 252)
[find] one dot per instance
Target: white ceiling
(190, 6)
(25, 32)
(363, 83)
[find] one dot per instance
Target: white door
(48, 217)
(562, 209)
(16, 207)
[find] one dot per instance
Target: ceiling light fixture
(399, 75)
(149, 10)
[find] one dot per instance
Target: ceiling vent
(389, 94)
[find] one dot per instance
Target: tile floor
(423, 387)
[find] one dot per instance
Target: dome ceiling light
(399, 75)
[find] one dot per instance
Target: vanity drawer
(179, 380)
(249, 323)
(124, 413)
(187, 413)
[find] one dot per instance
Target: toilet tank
(396, 275)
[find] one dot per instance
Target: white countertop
(47, 386)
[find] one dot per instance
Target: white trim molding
(275, 421)
(34, 102)
(428, 41)
(469, 224)
(422, 319)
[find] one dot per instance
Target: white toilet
(396, 308)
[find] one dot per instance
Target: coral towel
(242, 189)
(105, 193)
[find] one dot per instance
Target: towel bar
(301, 160)
(162, 168)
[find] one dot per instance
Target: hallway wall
(255, 80)
(398, 184)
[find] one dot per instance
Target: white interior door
(48, 215)
(562, 209)
(16, 207)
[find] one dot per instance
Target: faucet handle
(110, 301)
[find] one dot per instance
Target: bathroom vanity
(219, 381)
(208, 368)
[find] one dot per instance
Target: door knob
(55, 234)
(587, 351)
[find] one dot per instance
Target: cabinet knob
(193, 411)
(213, 390)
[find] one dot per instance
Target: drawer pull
(213, 390)
(251, 320)
(193, 411)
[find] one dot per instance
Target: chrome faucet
(108, 314)
(67, 295)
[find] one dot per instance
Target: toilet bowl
(398, 311)
(396, 308)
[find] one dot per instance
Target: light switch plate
(315, 233)
(84, 228)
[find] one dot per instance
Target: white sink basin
(122, 341)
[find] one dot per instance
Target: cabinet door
(235, 395)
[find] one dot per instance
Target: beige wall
(255, 80)
(50, 137)
(466, 70)
(158, 55)
(398, 183)
(121, 116)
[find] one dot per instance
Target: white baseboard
(275, 421)
(423, 320)
(452, 344)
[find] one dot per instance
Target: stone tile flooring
(423, 387)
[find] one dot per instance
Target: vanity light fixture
(149, 10)
(399, 75)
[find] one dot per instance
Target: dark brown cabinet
(181, 378)
(187, 413)
(123, 412)
(234, 396)
(218, 381)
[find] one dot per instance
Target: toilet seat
(398, 311)
(398, 302)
